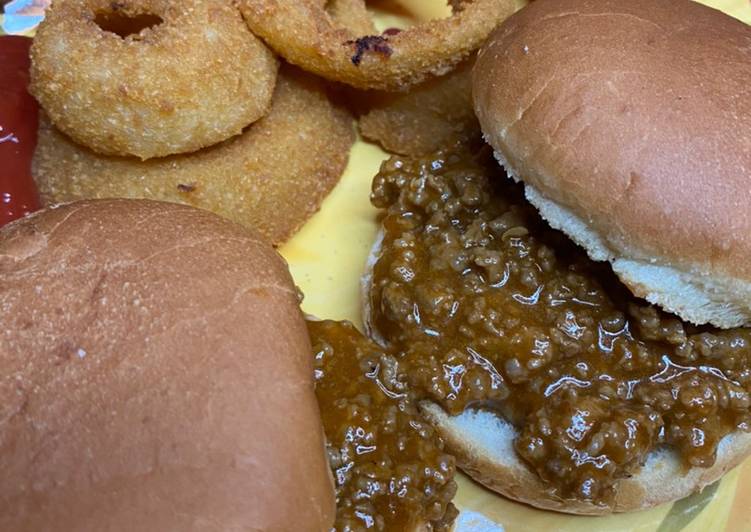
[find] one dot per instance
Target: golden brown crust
(155, 376)
(196, 79)
(271, 178)
(305, 35)
(433, 115)
(610, 110)
(352, 15)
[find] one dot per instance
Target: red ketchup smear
(18, 130)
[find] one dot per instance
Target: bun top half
(155, 374)
(630, 125)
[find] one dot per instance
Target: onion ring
(193, 76)
(304, 34)
(273, 177)
(431, 116)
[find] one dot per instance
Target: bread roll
(155, 375)
(630, 125)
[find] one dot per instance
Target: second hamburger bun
(155, 374)
(630, 125)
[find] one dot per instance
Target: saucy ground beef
(488, 307)
(389, 466)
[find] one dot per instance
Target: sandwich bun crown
(155, 374)
(630, 125)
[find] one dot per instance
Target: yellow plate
(327, 257)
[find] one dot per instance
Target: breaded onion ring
(431, 116)
(304, 34)
(272, 177)
(193, 76)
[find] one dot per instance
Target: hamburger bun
(630, 125)
(483, 444)
(156, 375)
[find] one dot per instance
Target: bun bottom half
(482, 442)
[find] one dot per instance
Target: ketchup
(18, 130)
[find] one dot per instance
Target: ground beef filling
(389, 466)
(489, 307)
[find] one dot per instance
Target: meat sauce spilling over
(389, 466)
(18, 130)
(488, 307)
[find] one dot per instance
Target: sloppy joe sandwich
(578, 337)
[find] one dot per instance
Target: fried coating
(273, 177)
(305, 34)
(433, 115)
(150, 78)
(351, 14)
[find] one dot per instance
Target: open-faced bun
(630, 124)
(155, 374)
(482, 442)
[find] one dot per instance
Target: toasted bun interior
(629, 123)
(155, 374)
(483, 443)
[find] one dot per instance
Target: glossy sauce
(18, 130)
(389, 466)
(489, 307)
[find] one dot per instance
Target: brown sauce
(389, 466)
(487, 306)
